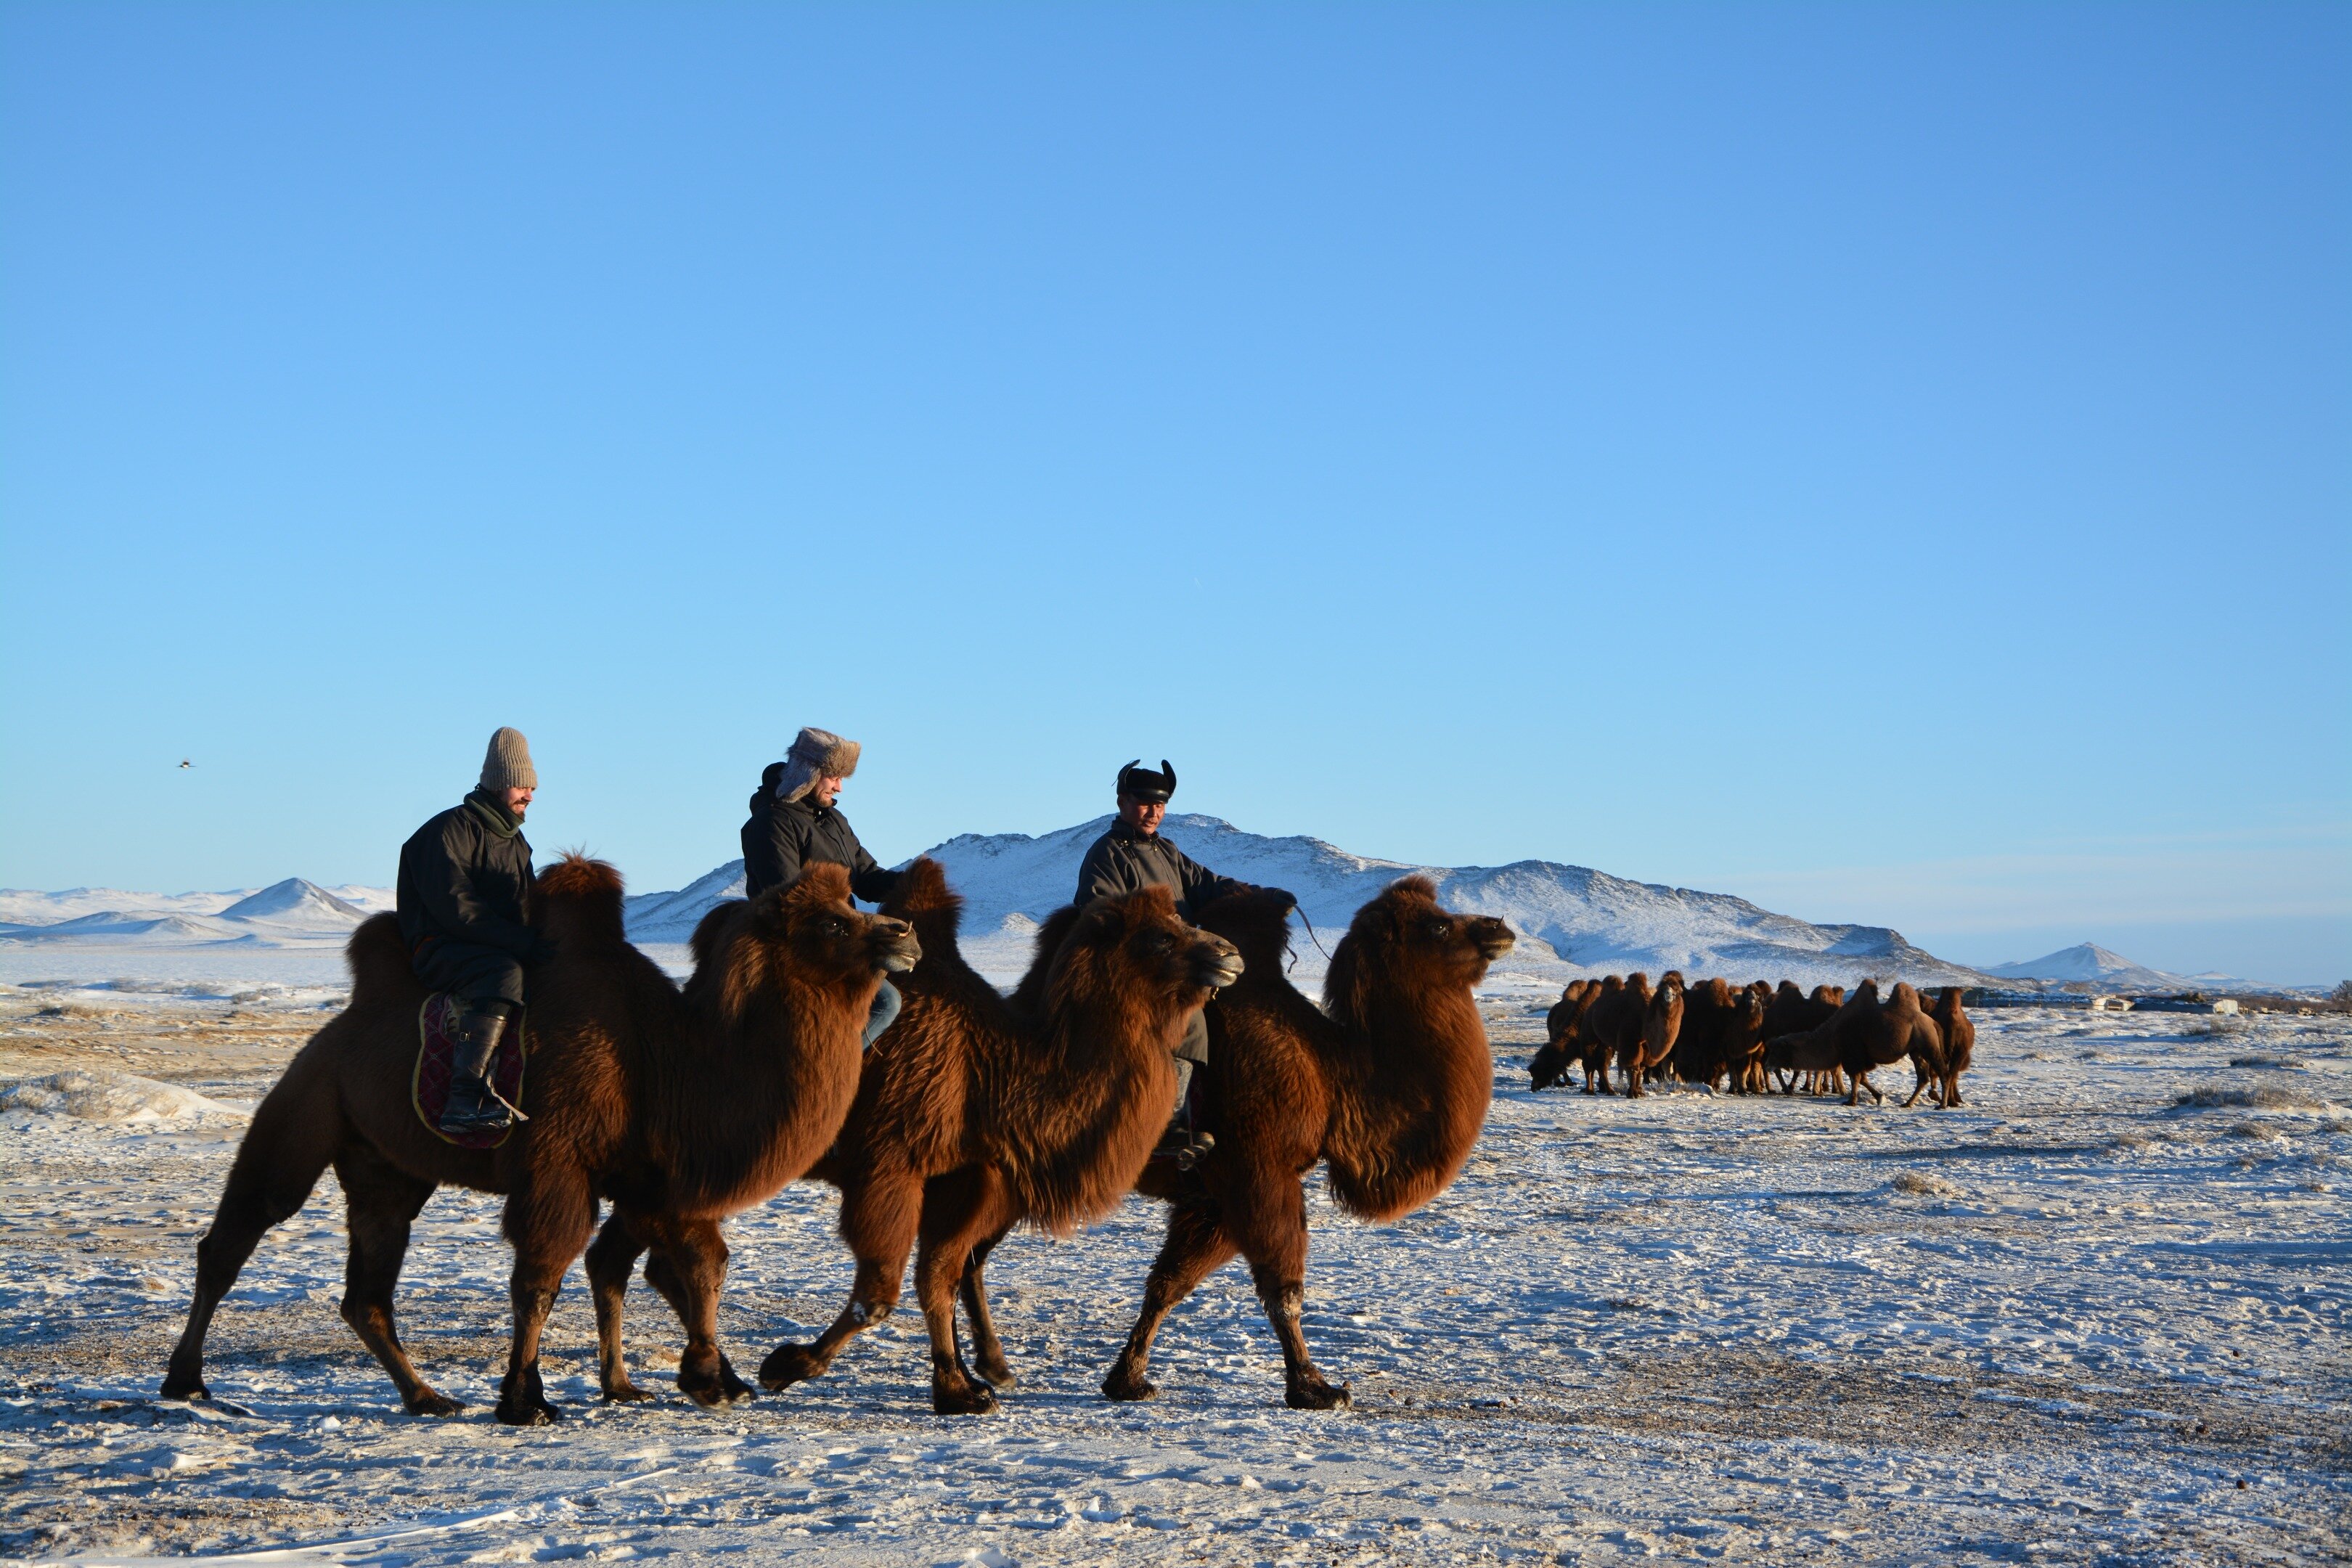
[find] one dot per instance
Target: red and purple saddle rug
(437, 1050)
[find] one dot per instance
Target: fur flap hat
(815, 755)
(1141, 783)
(506, 765)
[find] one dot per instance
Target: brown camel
(1387, 1085)
(976, 1113)
(1612, 1022)
(680, 1108)
(1865, 1034)
(1939, 1063)
(1550, 1065)
(1743, 1038)
(1699, 1048)
(1794, 1012)
(1650, 1049)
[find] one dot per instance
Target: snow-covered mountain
(293, 913)
(1571, 920)
(2087, 963)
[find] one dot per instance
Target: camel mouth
(897, 951)
(1218, 968)
(1494, 939)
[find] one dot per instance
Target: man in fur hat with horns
(794, 823)
(1133, 855)
(464, 901)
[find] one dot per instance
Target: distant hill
(2087, 963)
(1570, 919)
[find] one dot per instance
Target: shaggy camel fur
(1743, 1038)
(1650, 1049)
(1387, 1085)
(1612, 1025)
(1698, 1048)
(1794, 1012)
(976, 1113)
(680, 1109)
(1788, 1056)
(1939, 1063)
(1866, 1034)
(1550, 1065)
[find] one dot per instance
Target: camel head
(1671, 981)
(1406, 938)
(1134, 945)
(811, 922)
(1748, 1007)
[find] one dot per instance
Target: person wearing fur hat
(465, 905)
(1131, 856)
(795, 823)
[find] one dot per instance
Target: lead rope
(1311, 937)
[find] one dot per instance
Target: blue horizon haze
(1890, 464)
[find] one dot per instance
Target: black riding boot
(1184, 1143)
(474, 1106)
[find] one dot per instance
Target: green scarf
(493, 813)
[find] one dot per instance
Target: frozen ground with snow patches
(2078, 1320)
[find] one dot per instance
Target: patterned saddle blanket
(437, 1048)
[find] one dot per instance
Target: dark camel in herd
(680, 1108)
(978, 1113)
(1594, 1023)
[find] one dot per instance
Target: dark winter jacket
(466, 877)
(785, 835)
(1123, 860)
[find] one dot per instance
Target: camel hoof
(429, 1402)
(709, 1388)
(972, 1399)
(1122, 1385)
(788, 1364)
(1001, 1376)
(1316, 1394)
(538, 1414)
(625, 1393)
(178, 1387)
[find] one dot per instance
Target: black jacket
(1123, 860)
(785, 835)
(466, 877)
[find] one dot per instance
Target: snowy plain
(2097, 1315)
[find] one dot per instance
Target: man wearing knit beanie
(465, 912)
(794, 823)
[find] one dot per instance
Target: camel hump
(581, 898)
(1029, 996)
(1256, 922)
(922, 890)
(378, 955)
(924, 901)
(1904, 995)
(709, 930)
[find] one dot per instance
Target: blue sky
(1889, 462)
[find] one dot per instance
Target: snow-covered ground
(2097, 1316)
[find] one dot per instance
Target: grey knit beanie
(508, 765)
(815, 755)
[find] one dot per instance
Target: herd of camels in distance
(663, 1108)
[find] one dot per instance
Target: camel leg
(1196, 1247)
(379, 1203)
(1273, 1238)
(285, 1152)
(611, 1259)
(879, 1220)
(987, 1349)
(959, 1211)
(548, 1221)
(1951, 1091)
(1919, 1083)
(689, 1268)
